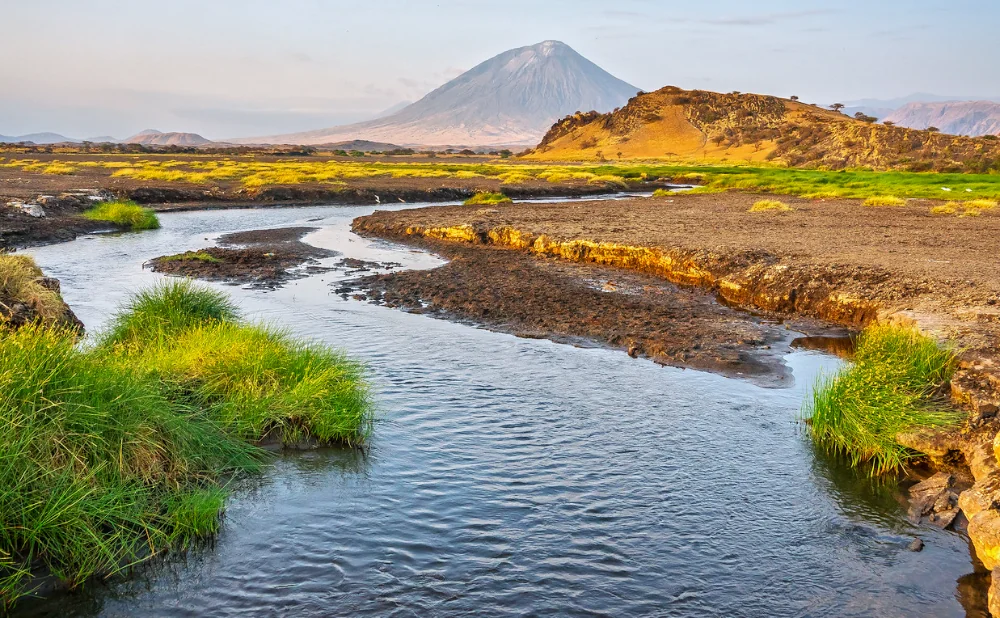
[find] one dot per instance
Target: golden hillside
(697, 124)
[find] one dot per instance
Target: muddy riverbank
(588, 304)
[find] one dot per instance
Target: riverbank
(834, 260)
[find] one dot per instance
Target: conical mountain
(512, 98)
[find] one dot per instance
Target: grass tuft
(191, 256)
(167, 309)
(770, 206)
(19, 284)
(117, 451)
(124, 213)
(971, 208)
(487, 198)
(885, 200)
(895, 384)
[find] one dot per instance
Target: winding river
(512, 477)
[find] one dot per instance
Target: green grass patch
(770, 206)
(191, 256)
(124, 213)
(114, 452)
(487, 198)
(894, 384)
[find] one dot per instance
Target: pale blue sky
(228, 68)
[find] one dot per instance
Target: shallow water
(520, 477)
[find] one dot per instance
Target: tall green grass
(124, 213)
(112, 453)
(895, 384)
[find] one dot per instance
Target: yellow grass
(971, 208)
(770, 206)
(885, 200)
(19, 284)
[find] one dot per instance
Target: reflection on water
(510, 476)
(840, 346)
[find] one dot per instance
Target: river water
(511, 477)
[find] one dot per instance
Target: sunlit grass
(124, 213)
(971, 208)
(487, 198)
(257, 175)
(19, 285)
(885, 200)
(191, 256)
(894, 385)
(770, 206)
(119, 450)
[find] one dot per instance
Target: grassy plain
(250, 174)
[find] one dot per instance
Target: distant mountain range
(955, 117)
(38, 138)
(510, 99)
(951, 114)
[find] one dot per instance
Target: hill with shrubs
(753, 128)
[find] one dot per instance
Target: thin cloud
(766, 19)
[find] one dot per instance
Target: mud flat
(834, 260)
(262, 258)
(589, 305)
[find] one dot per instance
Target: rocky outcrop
(15, 312)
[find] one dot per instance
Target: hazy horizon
(236, 69)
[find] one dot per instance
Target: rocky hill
(512, 98)
(152, 137)
(955, 117)
(735, 127)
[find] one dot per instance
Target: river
(512, 477)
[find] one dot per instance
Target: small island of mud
(262, 258)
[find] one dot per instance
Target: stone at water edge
(984, 531)
(934, 500)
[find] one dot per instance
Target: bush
(487, 198)
(894, 385)
(885, 200)
(770, 206)
(124, 213)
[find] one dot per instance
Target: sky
(234, 68)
